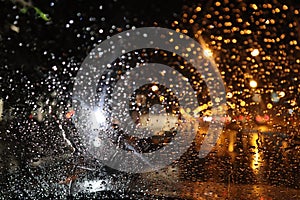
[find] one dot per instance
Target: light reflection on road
(256, 159)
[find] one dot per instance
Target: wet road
(213, 190)
(243, 165)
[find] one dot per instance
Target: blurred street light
(255, 52)
(253, 84)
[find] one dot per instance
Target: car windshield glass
(149, 99)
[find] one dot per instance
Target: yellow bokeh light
(269, 106)
(243, 103)
(253, 84)
(154, 88)
(281, 94)
(161, 98)
(229, 95)
(255, 52)
(198, 9)
(208, 53)
(254, 6)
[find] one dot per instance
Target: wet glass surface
(51, 148)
